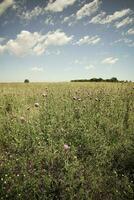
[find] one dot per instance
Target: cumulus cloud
(57, 38)
(59, 5)
(109, 60)
(27, 43)
(124, 22)
(90, 40)
(88, 9)
(53, 6)
(4, 5)
(103, 18)
(98, 19)
(130, 31)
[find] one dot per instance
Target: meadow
(67, 141)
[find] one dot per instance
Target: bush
(26, 81)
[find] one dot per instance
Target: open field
(68, 141)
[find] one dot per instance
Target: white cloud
(109, 60)
(58, 5)
(88, 9)
(102, 18)
(54, 6)
(49, 21)
(28, 15)
(128, 42)
(124, 22)
(37, 69)
(57, 38)
(90, 40)
(98, 19)
(66, 19)
(70, 20)
(27, 43)
(5, 4)
(130, 31)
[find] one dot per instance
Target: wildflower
(44, 94)
(28, 108)
(66, 147)
(79, 99)
(36, 105)
(74, 98)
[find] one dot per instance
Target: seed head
(79, 99)
(44, 94)
(74, 98)
(36, 105)
(28, 108)
(22, 119)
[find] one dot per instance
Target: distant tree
(26, 81)
(114, 79)
(100, 80)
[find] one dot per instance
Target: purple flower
(66, 147)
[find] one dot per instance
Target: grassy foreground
(67, 141)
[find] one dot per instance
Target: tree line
(113, 79)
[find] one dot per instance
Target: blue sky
(66, 39)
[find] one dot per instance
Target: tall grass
(78, 143)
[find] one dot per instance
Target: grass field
(67, 141)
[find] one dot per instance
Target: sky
(61, 40)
